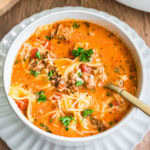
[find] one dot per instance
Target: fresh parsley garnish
(75, 25)
(66, 120)
(79, 83)
(34, 73)
(49, 131)
(84, 55)
(117, 70)
(41, 124)
(38, 55)
(99, 129)
(51, 120)
(110, 105)
(17, 61)
(50, 73)
(66, 128)
(87, 112)
(41, 96)
(48, 37)
(108, 94)
(79, 74)
(111, 123)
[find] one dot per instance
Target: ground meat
(98, 124)
(61, 85)
(89, 80)
(73, 77)
(57, 96)
(64, 32)
(38, 65)
(55, 78)
(33, 63)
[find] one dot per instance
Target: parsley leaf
(87, 112)
(17, 61)
(111, 123)
(34, 73)
(38, 55)
(41, 96)
(48, 37)
(117, 70)
(108, 94)
(41, 124)
(84, 55)
(51, 120)
(79, 74)
(66, 128)
(75, 25)
(50, 73)
(66, 120)
(110, 105)
(78, 83)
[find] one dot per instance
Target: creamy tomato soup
(59, 75)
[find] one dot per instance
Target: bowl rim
(57, 137)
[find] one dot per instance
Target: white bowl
(137, 4)
(82, 14)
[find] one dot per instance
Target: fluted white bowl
(94, 16)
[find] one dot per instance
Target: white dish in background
(143, 5)
(17, 135)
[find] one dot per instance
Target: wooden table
(138, 20)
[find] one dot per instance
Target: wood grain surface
(138, 20)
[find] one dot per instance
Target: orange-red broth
(111, 51)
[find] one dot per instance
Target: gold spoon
(145, 108)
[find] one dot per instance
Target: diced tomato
(85, 68)
(22, 104)
(33, 52)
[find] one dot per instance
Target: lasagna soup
(59, 75)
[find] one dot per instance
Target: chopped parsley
(110, 105)
(84, 55)
(48, 37)
(50, 73)
(87, 112)
(111, 123)
(49, 131)
(75, 25)
(93, 90)
(108, 94)
(117, 70)
(38, 55)
(66, 120)
(46, 128)
(66, 128)
(41, 96)
(17, 61)
(34, 73)
(99, 129)
(41, 124)
(79, 83)
(79, 74)
(51, 120)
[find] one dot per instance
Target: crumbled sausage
(61, 85)
(98, 124)
(89, 80)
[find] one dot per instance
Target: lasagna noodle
(19, 94)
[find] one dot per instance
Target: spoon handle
(145, 108)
